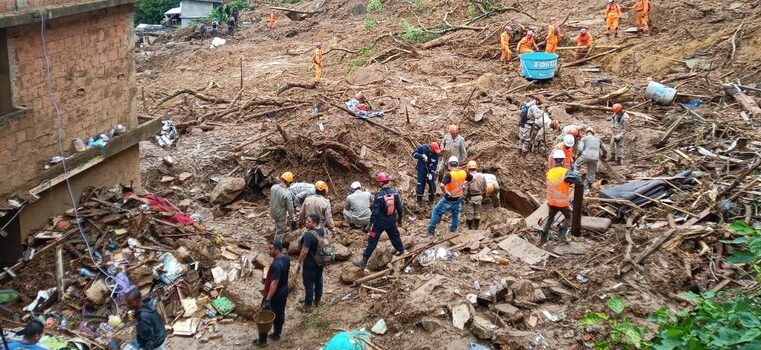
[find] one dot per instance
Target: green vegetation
(715, 322)
(315, 320)
(413, 34)
(152, 11)
(374, 6)
(363, 56)
(288, 2)
(419, 7)
(371, 22)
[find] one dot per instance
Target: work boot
(261, 341)
(430, 233)
(419, 201)
(361, 262)
(619, 160)
(563, 234)
(430, 200)
(469, 223)
(543, 236)
(274, 336)
(476, 222)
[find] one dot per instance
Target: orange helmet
(435, 147)
(573, 131)
(472, 165)
(617, 108)
(321, 186)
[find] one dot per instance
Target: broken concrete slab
(511, 312)
(379, 327)
(571, 248)
(538, 217)
(184, 176)
(460, 316)
(482, 328)
(512, 338)
(520, 249)
(246, 294)
(227, 189)
(517, 201)
(425, 290)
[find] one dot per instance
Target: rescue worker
(387, 214)
(214, 27)
(281, 205)
(641, 16)
(202, 30)
(527, 44)
(427, 162)
(312, 272)
(558, 197)
(475, 191)
(576, 130)
(553, 36)
(612, 16)
(357, 208)
(583, 39)
(231, 26)
(542, 123)
(504, 44)
(272, 21)
(453, 185)
(298, 192)
(590, 148)
(318, 204)
(619, 124)
(565, 146)
(452, 145)
(529, 112)
(275, 290)
(317, 59)
(31, 335)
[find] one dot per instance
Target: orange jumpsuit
(553, 36)
(273, 19)
(643, 10)
(612, 14)
(504, 45)
(526, 45)
(317, 63)
(584, 40)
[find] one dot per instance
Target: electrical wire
(61, 150)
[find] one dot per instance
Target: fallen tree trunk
(578, 62)
(288, 86)
(210, 99)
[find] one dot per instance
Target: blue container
(538, 65)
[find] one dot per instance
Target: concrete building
(91, 78)
(194, 9)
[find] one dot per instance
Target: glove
(265, 304)
(367, 228)
(429, 176)
(425, 158)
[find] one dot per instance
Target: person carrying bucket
(553, 37)
(612, 15)
(527, 44)
(275, 292)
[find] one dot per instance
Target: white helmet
(558, 154)
(356, 185)
(453, 161)
(569, 140)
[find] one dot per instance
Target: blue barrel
(538, 65)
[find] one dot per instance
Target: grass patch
(371, 22)
(315, 320)
(363, 56)
(374, 6)
(412, 33)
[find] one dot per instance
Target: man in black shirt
(275, 290)
(149, 326)
(312, 272)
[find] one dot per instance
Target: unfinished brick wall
(13, 5)
(92, 74)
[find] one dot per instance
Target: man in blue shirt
(275, 290)
(427, 162)
(31, 335)
(312, 272)
(387, 215)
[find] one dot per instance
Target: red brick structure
(90, 46)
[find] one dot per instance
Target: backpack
(325, 253)
(390, 203)
(524, 116)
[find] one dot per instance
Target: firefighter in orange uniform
(527, 44)
(642, 8)
(553, 36)
(504, 44)
(612, 15)
(317, 60)
(273, 19)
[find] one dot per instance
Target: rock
(483, 328)
(246, 294)
(380, 258)
(517, 248)
(460, 316)
(430, 324)
(167, 179)
(184, 176)
(351, 273)
(293, 245)
(423, 293)
(512, 338)
(227, 189)
(379, 327)
(511, 312)
(168, 161)
(342, 253)
(539, 296)
(523, 290)
(185, 203)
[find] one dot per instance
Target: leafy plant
(152, 11)
(623, 333)
(419, 6)
(751, 238)
(413, 34)
(370, 22)
(363, 55)
(374, 6)
(712, 324)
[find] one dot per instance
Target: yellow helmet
(321, 186)
(472, 165)
(287, 176)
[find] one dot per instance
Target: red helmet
(573, 131)
(617, 108)
(382, 177)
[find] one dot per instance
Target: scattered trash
(581, 277)
(168, 134)
(217, 42)
(550, 316)
(352, 340)
(660, 93)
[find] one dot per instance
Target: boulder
(351, 273)
(342, 253)
(246, 294)
(380, 258)
(460, 315)
(227, 189)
